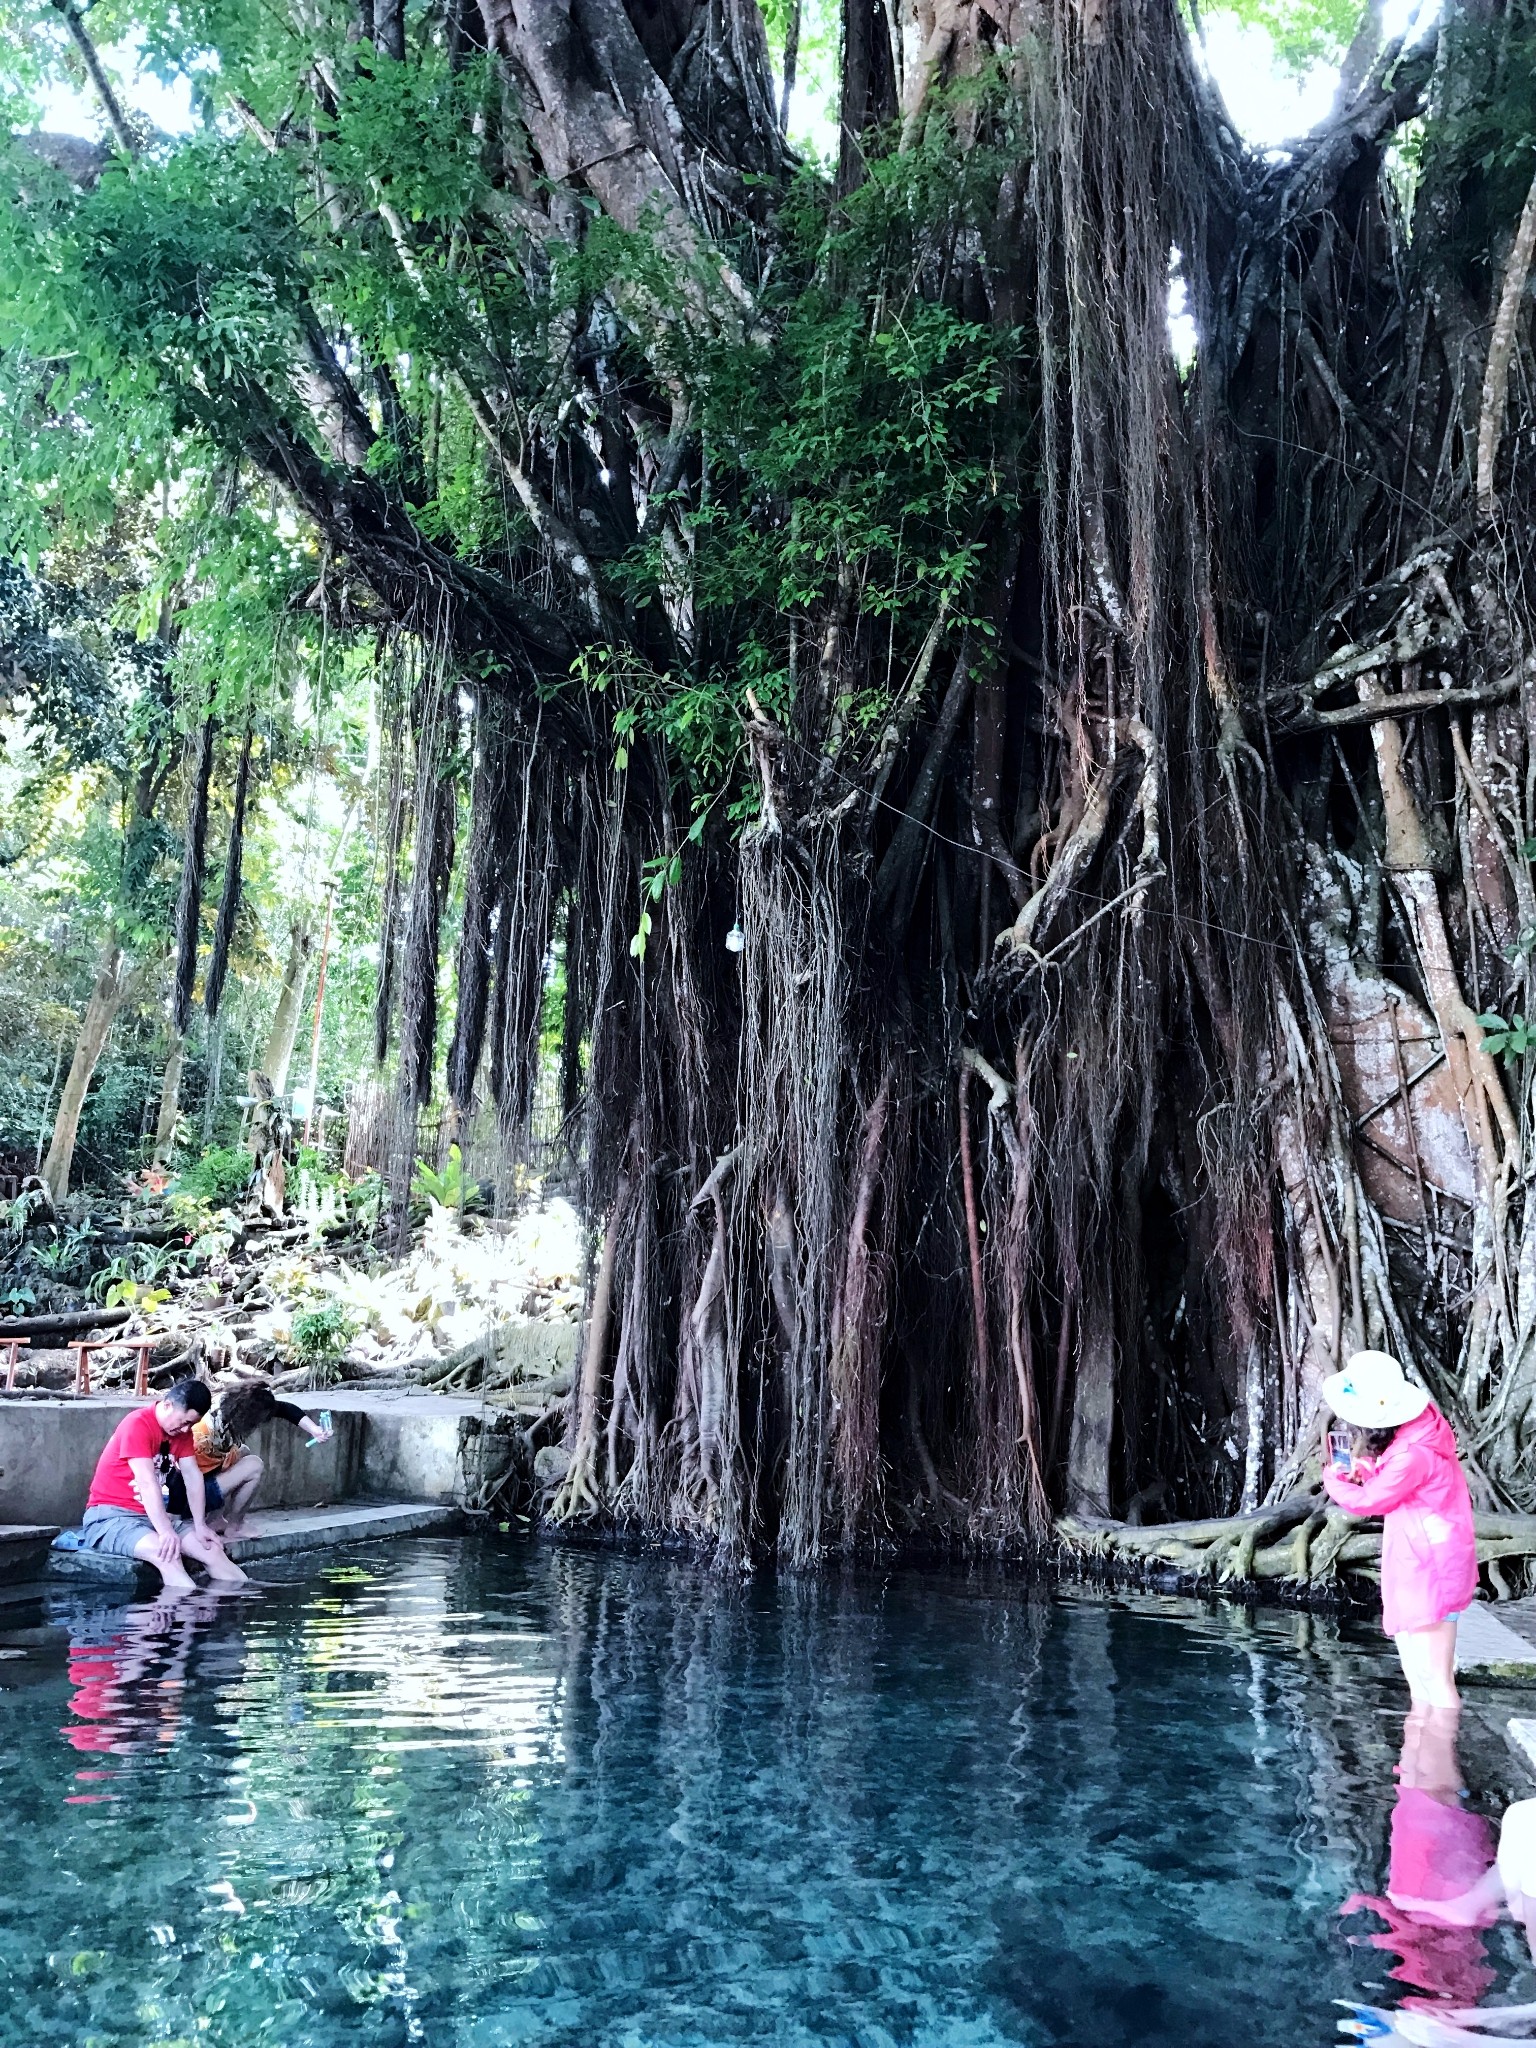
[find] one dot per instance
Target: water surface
(475, 1795)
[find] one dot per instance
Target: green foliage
(1508, 1038)
(136, 1294)
(365, 1200)
(219, 1177)
(319, 1337)
(855, 453)
(21, 1214)
(407, 131)
(449, 1188)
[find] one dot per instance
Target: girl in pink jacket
(1404, 1467)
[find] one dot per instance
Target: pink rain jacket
(1428, 1551)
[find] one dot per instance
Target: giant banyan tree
(1114, 774)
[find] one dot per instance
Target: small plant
(137, 1294)
(1507, 1038)
(320, 1207)
(68, 1258)
(146, 1266)
(365, 1201)
(21, 1214)
(218, 1178)
(449, 1188)
(319, 1337)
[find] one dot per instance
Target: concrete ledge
(99, 1564)
(1522, 1736)
(406, 1448)
(24, 1548)
(1488, 1648)
(279, 1531)
(284, 1529)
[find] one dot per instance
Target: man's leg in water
(208, 1551)
(166, 1559)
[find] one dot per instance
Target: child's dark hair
(1370, 1443)
(192, 1395)
(246, 1408)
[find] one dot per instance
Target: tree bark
(170, 1101)
(189, 902)
(283, 1036)
(95, 1028)
(868, 98)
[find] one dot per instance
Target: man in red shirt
(126, 1514)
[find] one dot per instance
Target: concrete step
(24, 1548)
(1523, 1736)
(272, 1532)
(1487, 1647)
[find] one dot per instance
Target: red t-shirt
(138, 1435)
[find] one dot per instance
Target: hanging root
(578, 1492)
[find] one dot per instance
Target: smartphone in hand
(1340, 1455)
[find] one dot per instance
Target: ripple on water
(474, 1796)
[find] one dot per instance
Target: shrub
(219, 1177)
(320, 1336)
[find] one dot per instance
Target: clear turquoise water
(467, 1795)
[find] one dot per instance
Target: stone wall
(410, 1449)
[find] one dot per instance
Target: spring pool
(474, 1795)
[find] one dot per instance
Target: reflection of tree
(561, 1798)
(994, 1812)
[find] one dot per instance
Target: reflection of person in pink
(1443, 1886)
(1403, 1466)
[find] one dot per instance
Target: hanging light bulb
(735, 940)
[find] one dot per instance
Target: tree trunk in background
(96, 1027)
(281, 1038)
(170, 1101)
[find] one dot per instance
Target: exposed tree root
(1300, 1543)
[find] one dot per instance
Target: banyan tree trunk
(1196, 848)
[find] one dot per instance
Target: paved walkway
(1521, 1617)
(1487, 1647)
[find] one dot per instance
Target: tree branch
(117, 120)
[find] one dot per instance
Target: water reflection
(1449, 1882)
(128, 1667)
(479, 1797)
(1437, 1898)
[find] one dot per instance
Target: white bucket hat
(1371, 1392)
